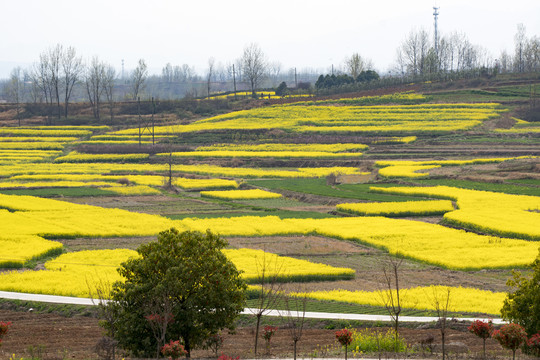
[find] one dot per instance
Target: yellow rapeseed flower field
(253, 262)
(409, 168)
(261, 154)
(409, 171)
(485, 211)
(461, 299)
(332, 148)
(240, 194)
(402, 208)
(321, 118)
(81, 158)
(133, 190)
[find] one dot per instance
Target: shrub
(511, 336)
(226, 357)
(532, 346)
(4, 328)
(214, 343)
(173, 349)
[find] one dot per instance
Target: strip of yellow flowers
(334, 148)
(37, 145)
(215, 170)
(408, 168)
(202, 169)
(409, 171)
(147, 180)
(461, 299)
(240, 194)
(403, 208)
(74, 156)
(59, 139)
(133, 190)
(262, 154)
(484, 211)
(71, 274)
(37, 131)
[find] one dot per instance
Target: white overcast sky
(297, 33)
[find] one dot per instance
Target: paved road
(312, 315)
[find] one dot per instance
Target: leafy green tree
(181, 287)
(522, 306)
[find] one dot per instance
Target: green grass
(60, 192)
(533, 182)
(503, 95)
(474, 185)
(65, 310)
(319, 187)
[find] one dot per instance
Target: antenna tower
(435, 15)
(122, 69)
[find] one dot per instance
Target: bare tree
(269, 290)
(95, 84)
(505, 61)
(275, 72)
(108, 87)
(354, 65)
(254, 65)
(532, 54)
(40, 78)
(210, 74)
(53, 74)
(72, 69)
(15, 90)
(34, 93)
(441, 303)
(167, 73)
(139, 78)
(391, 294)
(295, 317)
(520, 40)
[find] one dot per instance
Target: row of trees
(60, 76)
(59, 72)
(329, 81)
(421, 54)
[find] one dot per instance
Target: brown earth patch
(299, 245)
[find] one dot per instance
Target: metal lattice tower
(435, 15)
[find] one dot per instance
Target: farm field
(439, 184)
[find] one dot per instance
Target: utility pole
(234, 80)
(435, 15)
(295, 79)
